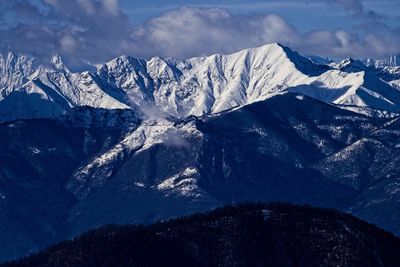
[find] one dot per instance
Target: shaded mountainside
(65, 176)
(37, 158)
(244, 235)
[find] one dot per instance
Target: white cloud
(112, 6)
(97, 30)
(192, 31)
(189, 32)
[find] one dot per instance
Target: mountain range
(197, 86)
(137, 141)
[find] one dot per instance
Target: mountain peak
(351, 65)
(197, 86)
(11, 55)
(304, 64)
(271, 45)
(59, 64)
(125, 62)
(273, 48)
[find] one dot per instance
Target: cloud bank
(98, 30)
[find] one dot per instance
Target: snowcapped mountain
(16, 70)
(392, 61)
(134, 140)
(180, 88)
(386, 69)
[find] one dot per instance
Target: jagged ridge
(180, 88)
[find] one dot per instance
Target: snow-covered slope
(16, 70)
(180, 88)
(396, 84)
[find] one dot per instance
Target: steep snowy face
(395, 84)
(53, 93)
(204, 85)
(212, 84)
(127, 79)
(16, 70)
(80, 89)
(197, 86)
(361, 86)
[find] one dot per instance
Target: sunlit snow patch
(182, 184)
(35, 150)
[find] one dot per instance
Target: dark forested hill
(245, 235)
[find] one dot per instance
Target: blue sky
(98, 30)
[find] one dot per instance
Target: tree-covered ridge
(272, 234)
